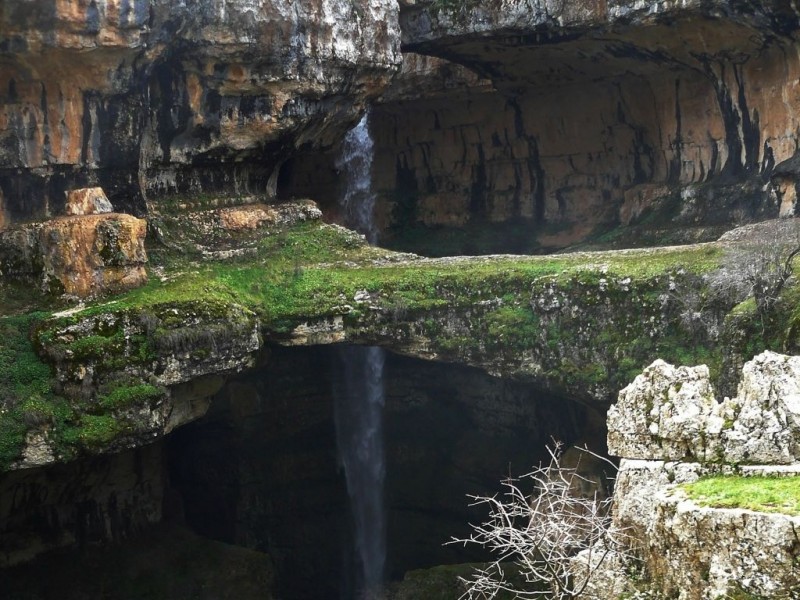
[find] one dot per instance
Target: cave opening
(312, 175)
(261, 469)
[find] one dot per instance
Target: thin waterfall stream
(359, 399)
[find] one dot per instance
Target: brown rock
(79, 255)
(161, 98)
(88, 201)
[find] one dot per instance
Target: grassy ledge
(479, 310)
(773, 494)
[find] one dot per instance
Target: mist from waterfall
(359, 397)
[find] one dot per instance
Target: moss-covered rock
(580, 324)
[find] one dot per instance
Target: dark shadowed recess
(251, 498)
(261, 469)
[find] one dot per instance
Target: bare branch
(759, 262)
(541, 531)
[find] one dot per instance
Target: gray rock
(670, 413)
(666, 413)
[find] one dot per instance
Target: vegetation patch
(122, 396)
(587, 322)
(762, 493)
(26, 397)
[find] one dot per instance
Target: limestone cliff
(148, 98)
(579, 115)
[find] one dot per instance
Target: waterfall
(359, 399)
(359, 438)
(355, 162)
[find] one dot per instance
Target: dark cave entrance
(261, 471)
(312, 175)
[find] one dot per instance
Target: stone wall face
(580, 114)
(149, 97)
(669, 429)
(86, 502)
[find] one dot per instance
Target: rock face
(149, 97)
(104, 499)
(579, 114)
(78, 255)
(669, 430)
(670, 413)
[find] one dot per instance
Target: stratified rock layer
(586, 114)
(152, 97)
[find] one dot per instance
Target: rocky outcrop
(669, 431)
(82, 256)
(227, 231)
(134, 376)
(670, 413)
(148, 98)
(561, 323)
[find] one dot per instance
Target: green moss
(286, 282)
(93, 431)
(26, 396)
(763, 494)
(512, 327)
(314, 271)
(12, 437)
(124, 396)
(96, 345)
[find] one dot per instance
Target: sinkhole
(262, 468)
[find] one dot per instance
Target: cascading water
(359, 436)
(355, 162)
(360, 396)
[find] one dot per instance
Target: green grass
(286, 279)
(763, 493)
(312, 271)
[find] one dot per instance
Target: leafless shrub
(758, 262)
(541, 533)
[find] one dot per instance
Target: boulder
(79, 255)
(666, 413)
(88, 201)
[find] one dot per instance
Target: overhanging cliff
(150, 98)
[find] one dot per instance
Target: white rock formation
(670, 413)
(669, 430)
